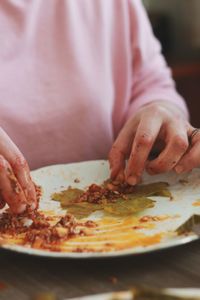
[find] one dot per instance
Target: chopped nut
(41, 234)
(61, 232)
(145, 219)
(76, 180)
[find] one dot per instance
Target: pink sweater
(72, 72)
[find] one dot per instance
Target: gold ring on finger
(192, 135)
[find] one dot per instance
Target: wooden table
(26, 276)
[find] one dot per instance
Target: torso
(65, 77)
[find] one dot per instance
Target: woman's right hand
(16, 186)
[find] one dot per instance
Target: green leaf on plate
(121, 206)
(191, 225)
(68, 196)
(82, 210)
(152, 189)
(128, 200)
(131, 205)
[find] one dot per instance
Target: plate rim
(94, 255)
(97, 255)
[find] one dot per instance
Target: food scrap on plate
(75, 232)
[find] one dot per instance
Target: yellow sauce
(196, 203)
(111, 234)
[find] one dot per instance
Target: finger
(11, 190)
(176, 146)
(22, 173)
(120, 150)
(191, 159)
(19, 166)
(146, 134)
(116, 159)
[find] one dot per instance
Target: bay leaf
(82, 210)
(68, 196)
(152, 189)
(131, 205)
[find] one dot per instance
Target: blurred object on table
(176, 24)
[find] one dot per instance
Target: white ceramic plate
(126, 295)
(58, 177)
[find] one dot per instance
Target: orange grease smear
(111, 234)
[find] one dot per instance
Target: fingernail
(19, 209)
(33, 205)
(132, 180)
(179, 169)
(120, 176)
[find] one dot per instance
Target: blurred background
(176, 23)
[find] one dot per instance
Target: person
(81, 77)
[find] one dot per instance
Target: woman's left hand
(157, 123)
